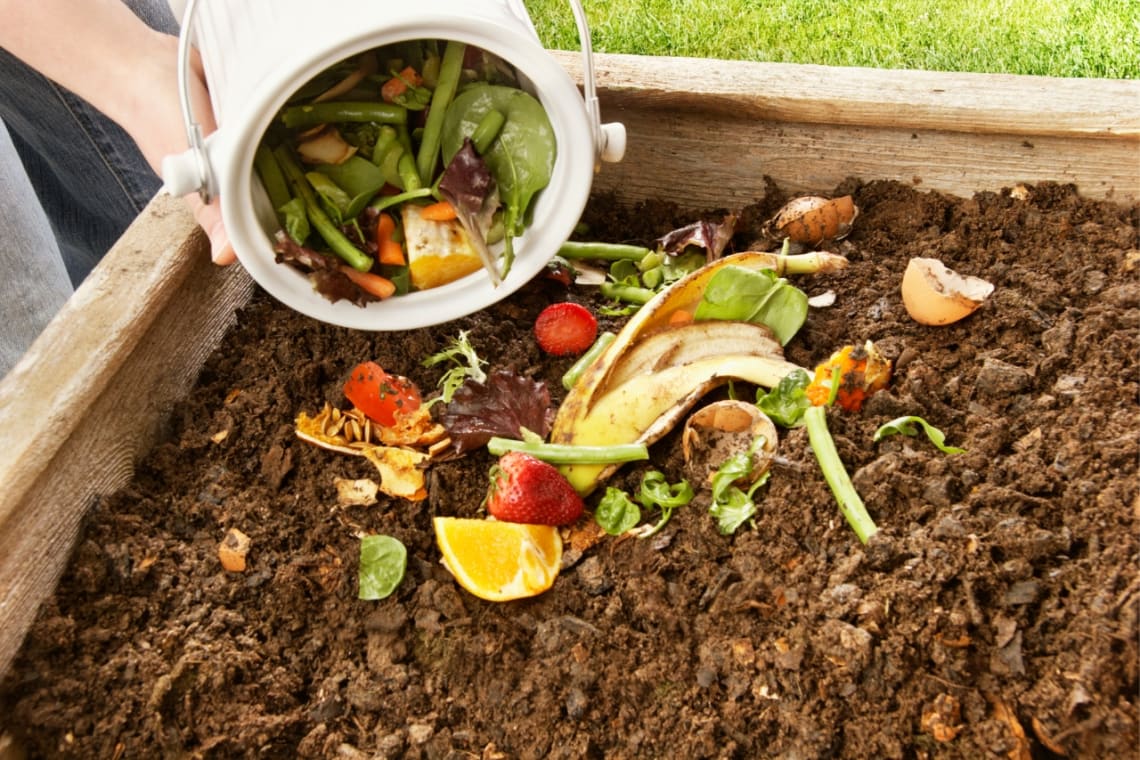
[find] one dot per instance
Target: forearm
(101, 51)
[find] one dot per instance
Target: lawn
(1067, 38)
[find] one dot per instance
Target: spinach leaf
(383, 560)
(785, 404)
(521, 158)
(616, 512)
(745, 295)
(906, 426)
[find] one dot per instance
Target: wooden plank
(92, 393)
(811, 127)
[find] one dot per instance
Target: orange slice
(499, 561)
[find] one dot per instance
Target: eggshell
(936, 295)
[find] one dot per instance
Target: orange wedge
(499, 561)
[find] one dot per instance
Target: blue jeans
(87, 178)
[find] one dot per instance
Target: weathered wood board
(94, 392)
(708, 132)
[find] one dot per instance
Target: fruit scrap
(850, 377)
(565, 328)
(386, 421)
(499, 561)
(380, 395)
(233, 549)
(401, 471)
(528, 490)
(811, 220)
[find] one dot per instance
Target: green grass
(1066, 38)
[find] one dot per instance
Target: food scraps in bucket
(427, 126)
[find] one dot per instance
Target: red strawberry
(528, 490)
(565, 328)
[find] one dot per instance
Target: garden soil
(993, 615)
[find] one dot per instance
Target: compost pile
(994, 613)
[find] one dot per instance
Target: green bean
(336, 240)
(409, 177)
(602, 251)
(384, 141)
(449, 71)
(334, 111)
(487, 130)
(272, 179)
(626, 293)
(602, 342)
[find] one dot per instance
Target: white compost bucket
(256, 55)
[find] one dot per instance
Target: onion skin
(811, 219)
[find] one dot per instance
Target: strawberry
(565, 328)
(528, 490)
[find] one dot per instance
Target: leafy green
(333, 199)
(616, 512)
(731, 505)
(296, 220)
(906, 426)
(521, 159)
(383, 560)
(746, 295)
(657, 492)
(785, 404)
(466, 363)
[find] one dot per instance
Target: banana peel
(646, 407)
(655, 371)
(682, 295)
(691, 342)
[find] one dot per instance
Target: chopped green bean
(336, 240)
(449, 71)
(602, 251)
(333, 111)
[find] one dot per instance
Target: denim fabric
(89, 178)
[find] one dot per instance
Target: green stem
(387, 201)
(573, 249)
(449, 71)
(823, 445)
(560, 453)
(585, 360)
(334, 111)
(626, 293)
(336, 239)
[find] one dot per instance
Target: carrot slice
(398, 85)
(373, 284)
(391, 252)
(438, 212)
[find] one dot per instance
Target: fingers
(209, 218)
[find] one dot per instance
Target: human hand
(155, 123)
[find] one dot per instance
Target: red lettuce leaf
(712, 236)
(322, 270)
(502, 406)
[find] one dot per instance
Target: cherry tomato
(380, 395)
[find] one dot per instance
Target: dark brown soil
(995, 614)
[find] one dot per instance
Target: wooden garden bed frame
(93, 394)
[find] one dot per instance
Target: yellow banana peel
(655, 371)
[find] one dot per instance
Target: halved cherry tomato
(380, 395)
